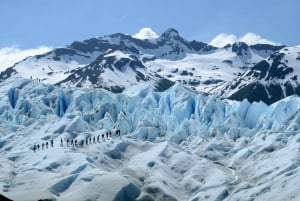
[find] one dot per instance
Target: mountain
(174, 145)
(269, 80)
(118, 61)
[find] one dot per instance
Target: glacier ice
(177, 145)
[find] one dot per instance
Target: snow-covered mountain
(118, 61)
(269, 80)
(175, 145)
(114, 61)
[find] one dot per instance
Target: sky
(42, 24)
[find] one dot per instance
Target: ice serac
(174, 110)
(13, 97)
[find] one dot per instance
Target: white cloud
(250, 38)
(145, 33)
(223, 39)
(10, 55)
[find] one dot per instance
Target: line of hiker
(82, 142)
(89, 140)
(43, 145)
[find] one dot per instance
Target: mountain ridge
(118, 61)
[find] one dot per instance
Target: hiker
(34, 148)
(82, 143)
(42, 145)
(94, 139)
(87, 141)
(98, 138)
(103, 137)
(51, 141)
(110, 134)
(72, 142)
(90, 140)
(61, 142)
(47, 144)
(107, 135)
(67, 142)
(38, 146)
(75, 142)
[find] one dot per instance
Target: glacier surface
(174, 145)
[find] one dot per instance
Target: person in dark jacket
(118, 132)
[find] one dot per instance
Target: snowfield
(174, 145)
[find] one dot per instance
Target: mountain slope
(270, 80)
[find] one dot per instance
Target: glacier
(174, 145)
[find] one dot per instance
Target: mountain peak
(170, 33)
(240, 44)
(239, 47)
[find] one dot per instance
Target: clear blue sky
(32, 23)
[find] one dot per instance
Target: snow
(290, 55)
(174, 145)
(204, 67)
(50, 70)
(118, 54)
(117, 78)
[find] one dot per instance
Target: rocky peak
(170, 33)
(239, 47)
